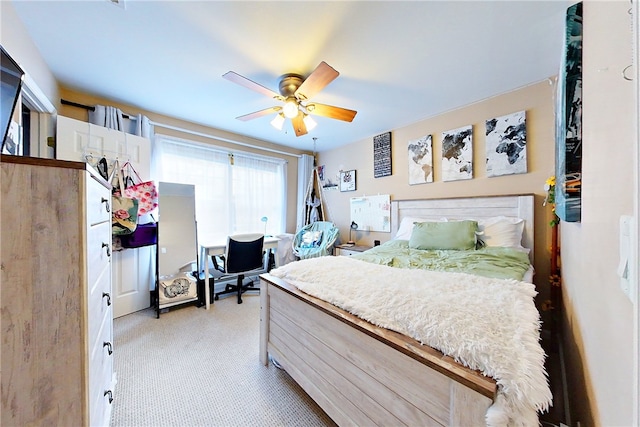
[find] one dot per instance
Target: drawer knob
(106, 295)
(109, 347)
(106, 245)
(106, 204)
(110, 394)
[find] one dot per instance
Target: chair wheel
(217, 297)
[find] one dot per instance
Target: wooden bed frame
(361, 374)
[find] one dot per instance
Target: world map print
(457, 154)
(420, 160)
(506, 145)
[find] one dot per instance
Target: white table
(206, 250)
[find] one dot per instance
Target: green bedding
(497, 262)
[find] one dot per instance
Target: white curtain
(143, 127)
(113, 118)
(107, 116)
(234, 190)
(305, 168)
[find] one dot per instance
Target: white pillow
(311, 239)
(501, 231)
(407, 223)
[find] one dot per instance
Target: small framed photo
(348, 180)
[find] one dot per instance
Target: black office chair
(244, 256)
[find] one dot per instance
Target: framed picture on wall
(382, 155)
(348, 180)
(506, 145)
(568, 196)
(420, 160)
(457, 154)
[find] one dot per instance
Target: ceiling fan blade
(250, 84)
(331, 111)
(260, 113)
(317, 80)
(298, 125)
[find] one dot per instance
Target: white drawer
(100, 379)
(347, 252)
(99, 357)
(98, 250)
(350, 250)
(98, 202)
(100, 412)
(99, 308)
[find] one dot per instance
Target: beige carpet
(194, 367)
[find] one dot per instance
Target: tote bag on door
(124, 210)
(145, 192)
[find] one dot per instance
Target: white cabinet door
(133, 269)
(75, 140)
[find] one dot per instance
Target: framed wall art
(382, 155)
(457, 154)
(506, 145)
(348, 180)
(420, 160)
(568, 195)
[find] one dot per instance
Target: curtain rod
(91, 108)
(75, 104)
(189, 131)
(219, 138)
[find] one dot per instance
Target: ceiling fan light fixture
(290, 108)
(295, 94)
(309, 122)
(278, 121)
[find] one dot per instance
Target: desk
(206, 250)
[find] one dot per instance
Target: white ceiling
(399, 62)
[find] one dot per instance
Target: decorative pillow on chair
(457, 235)
(311, 239)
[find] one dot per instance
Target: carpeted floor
(194, 367)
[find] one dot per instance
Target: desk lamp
(354, 226)
(265, 219)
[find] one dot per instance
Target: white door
(133, 269)
(133, 274)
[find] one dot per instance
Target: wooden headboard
(519, 206)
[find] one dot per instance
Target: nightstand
(348, 250)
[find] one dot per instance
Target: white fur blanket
(490, 325)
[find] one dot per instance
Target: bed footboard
(363, 375)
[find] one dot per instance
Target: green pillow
(459, 235)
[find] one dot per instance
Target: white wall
(599, 316)
(16, 41)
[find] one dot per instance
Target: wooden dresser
(57, 321)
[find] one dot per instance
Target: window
(234, 190)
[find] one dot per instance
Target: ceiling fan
(296, 93)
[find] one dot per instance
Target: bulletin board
(372, 213)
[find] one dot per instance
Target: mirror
(177, 243)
